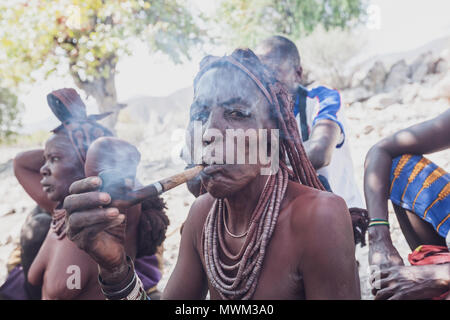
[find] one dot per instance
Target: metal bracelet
(117, 295)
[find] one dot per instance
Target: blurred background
(389, 59)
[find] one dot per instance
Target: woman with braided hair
(46, 176)
(250, 236)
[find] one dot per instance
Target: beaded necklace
(248, 261)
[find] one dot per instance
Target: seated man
(420, 193)
(251, 236)
(322, 126)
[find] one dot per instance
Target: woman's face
(62, 167)
(227, 100)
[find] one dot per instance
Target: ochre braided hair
(81, 129)
(247, 263)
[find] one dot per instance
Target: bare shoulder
(316, 210)
(201, 207)
(321, 228)
(197, 215)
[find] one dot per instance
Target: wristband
(378, 222)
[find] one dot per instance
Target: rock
(422, 66)
(383, 100)
(443, 87)
(374, 81)
(440, 90)
(441, 66)
(398, 75)
(409, 92)
(4, 167)
(355, 95)
(368, 129)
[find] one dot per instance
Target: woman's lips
(47, 188)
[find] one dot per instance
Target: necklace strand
(248, 262)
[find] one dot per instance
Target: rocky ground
(384, 100)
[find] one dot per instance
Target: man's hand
(411, 282)
(97, 230)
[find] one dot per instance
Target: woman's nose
(45, 170)
(212, 129)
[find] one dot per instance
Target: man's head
(282, 57)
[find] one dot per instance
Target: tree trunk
(104, 92)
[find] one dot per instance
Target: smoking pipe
(115, 161)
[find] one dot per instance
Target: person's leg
(417, 231)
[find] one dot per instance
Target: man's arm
(320, 146)
(328, 264)
(188, 280)
(27, 167)
(426, 137)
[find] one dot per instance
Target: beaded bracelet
(378, 222)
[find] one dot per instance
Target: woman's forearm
(376, 182)
(376, 191)
(27, 167)
(31, 160)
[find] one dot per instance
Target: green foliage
(249, 21)
(9, 111)
(89, 35)
(30, 140)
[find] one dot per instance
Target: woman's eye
(55, 159)
(238, 114)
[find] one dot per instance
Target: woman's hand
(97, 230)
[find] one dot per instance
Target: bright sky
(394, 26)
